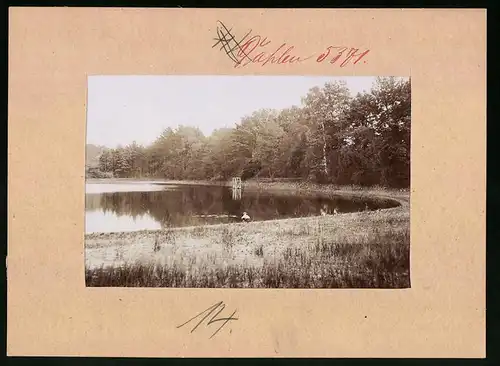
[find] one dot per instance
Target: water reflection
(134, 209)
(236, 193)
(128, 187)
(99, 221)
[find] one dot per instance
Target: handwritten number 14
(219, 307)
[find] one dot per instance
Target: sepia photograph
(248, 182)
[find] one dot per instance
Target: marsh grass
(119, 252)
(259, 251)
(299, 230)
(199, 231)
(228, 238)
(166, 236)
(156, 245)
(380, 258)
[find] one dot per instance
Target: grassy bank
(369, 249)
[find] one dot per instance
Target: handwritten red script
(259, 50)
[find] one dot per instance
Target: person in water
(245, 217)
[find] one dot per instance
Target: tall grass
(163, 237)
(259, 251)
(227, 238)
(382, 260)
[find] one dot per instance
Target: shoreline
(154, 180)
(401, 197)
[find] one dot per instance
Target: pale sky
(122, 109)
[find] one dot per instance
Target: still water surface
(148, 205)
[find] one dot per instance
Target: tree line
(331, 137)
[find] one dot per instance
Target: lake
(116, 207)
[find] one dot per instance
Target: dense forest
(331, 138)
